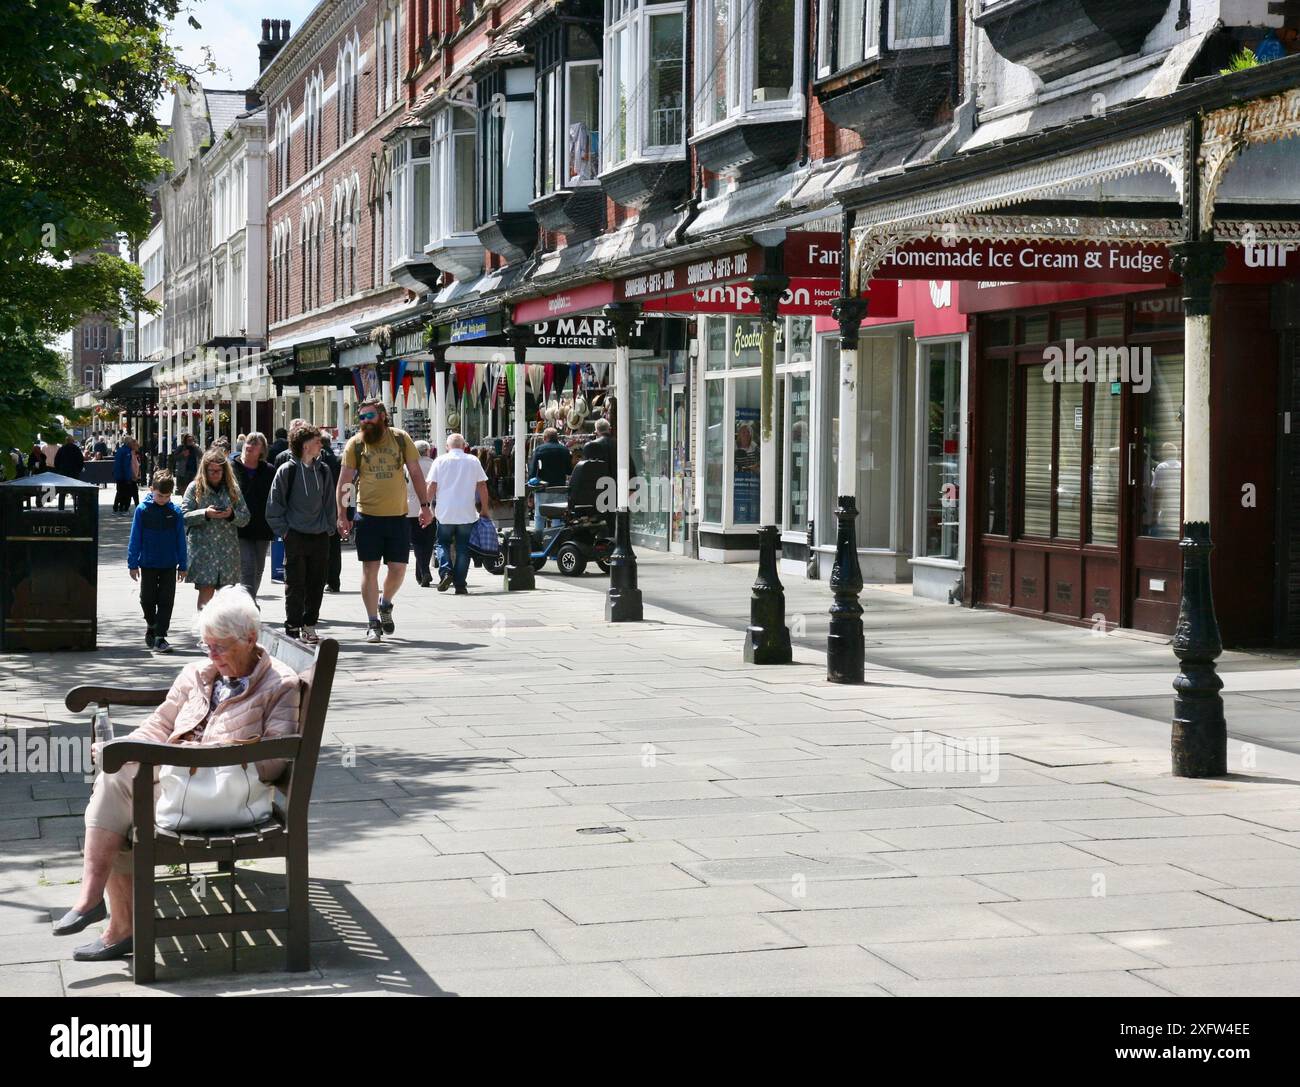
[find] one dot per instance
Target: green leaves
(79, 80)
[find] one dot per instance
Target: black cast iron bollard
(520, 575)
(623, 601)
(767, 641)
(845, 644)
(1200, 733)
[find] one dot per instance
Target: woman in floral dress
(215, 510)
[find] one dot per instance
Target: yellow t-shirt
(381, 481)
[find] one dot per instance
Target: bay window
(568, 106)
(749, 59)
(453, 173)
(645, 81)
(917, 24)
(505, 142)
(411, 197)
(850, 31)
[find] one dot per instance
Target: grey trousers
(252, 563)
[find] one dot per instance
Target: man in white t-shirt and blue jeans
(455, 480)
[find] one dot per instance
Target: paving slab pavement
(516, 797)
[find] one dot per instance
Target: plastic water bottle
(103, 726)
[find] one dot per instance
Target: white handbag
(212, 798)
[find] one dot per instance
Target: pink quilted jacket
(267, 709)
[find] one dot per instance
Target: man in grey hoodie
(301, 511)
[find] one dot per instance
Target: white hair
(422, 447)
(456, 441)
(230, 614)
(602, 426)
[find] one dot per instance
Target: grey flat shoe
(73, 922)
(98, 951)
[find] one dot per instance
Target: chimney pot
(266, 30)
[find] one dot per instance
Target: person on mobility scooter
(579, 529)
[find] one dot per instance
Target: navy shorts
(386, 538)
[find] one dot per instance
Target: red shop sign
(811, 253)
(804, 298)
(705, 272)
(1029, 261)
(584, 299)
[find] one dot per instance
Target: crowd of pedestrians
(210, 517)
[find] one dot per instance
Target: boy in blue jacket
(157, 549)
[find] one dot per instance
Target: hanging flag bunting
(512, 379)
(428, 381)
(356, 384)
(561, 378)
(534, 373)
(548, 377)
(575, 375)
(407, 380)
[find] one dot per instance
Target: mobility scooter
(583, 534)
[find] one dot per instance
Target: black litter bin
(49, 554)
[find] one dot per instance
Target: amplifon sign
(803, 298)
(1029, 261)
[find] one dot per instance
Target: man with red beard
(373, 461)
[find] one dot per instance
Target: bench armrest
(80, 697)
(117, 753)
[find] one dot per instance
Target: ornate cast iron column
(623, 600)
(519, 575)
(1200, 734)
(767, 640)
(845, 646)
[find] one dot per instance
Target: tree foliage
(79, 80)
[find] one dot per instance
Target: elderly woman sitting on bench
(241, 693)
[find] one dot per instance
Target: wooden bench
(284, 834)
